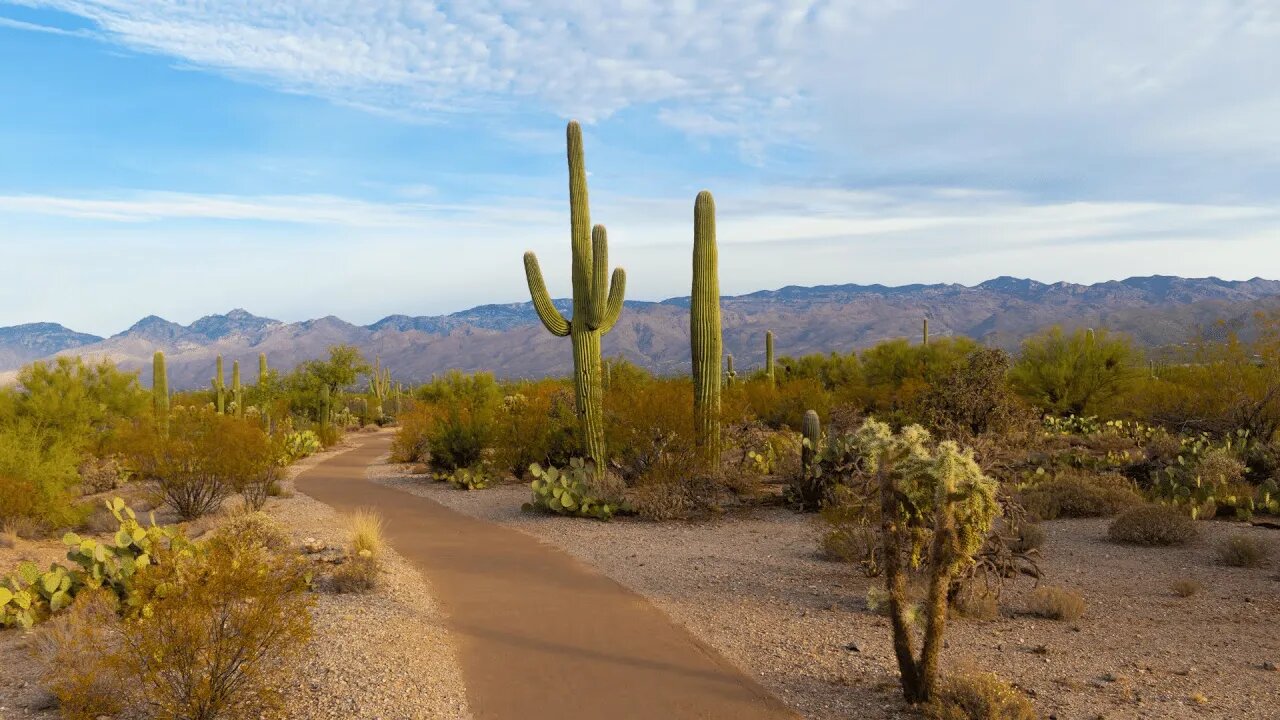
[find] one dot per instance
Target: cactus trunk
(237, 392)
(262, 368)
(220, 389)
(597, 302)
(768, 356)
(160, 391)
(812, 440)
(730, 374)
(706, 343)
(924, 339)
(324, 410)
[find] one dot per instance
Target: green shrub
(1155, 525)
(77, 650)
(38, 478)
(300, 444)
(536, 423)
(1077, 373)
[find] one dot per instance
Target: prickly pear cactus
(568, 492)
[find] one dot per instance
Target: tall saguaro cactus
(160, 391)
(379, 387)
(219, 389)
(730, 374)
(597, 302)
(705, 340)
(768, 356)
(325, 410)
(262, 369)
(237, 391)
(924, 338)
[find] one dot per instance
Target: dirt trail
(539, 635)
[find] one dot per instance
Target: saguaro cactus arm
(547, 312)
(613, 307)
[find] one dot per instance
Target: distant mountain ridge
(508, 339)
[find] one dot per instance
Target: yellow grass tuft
(366, 533)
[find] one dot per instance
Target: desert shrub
(578, 490)
(202, 459)
(220, 647)
(258, 528)
(356, 575)
(412, 439)
(1243, 551)
(783, 405)
(463, 425)
(1155, 525)
(854, 542)
(536, 423)
(690, 497)
(1077, 373)
(976, 601)
(979, 696)
(1026, 537)
(649, 429)
(1079, 494)
(100, 474)
(79, 656)
(898, 373)
(1055, 603)
(973, 398)
(328, 434)
(38, 478)
(1220, 466)
(1186, 587)
(77, 402)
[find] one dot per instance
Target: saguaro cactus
(730, 374)
(219, 389)
(262, 369)
(325, 411)
(237, 392)
(379, 388)
(160, 391)
(812, 440)
(704, 328)
(597, 302)
(924, 339)
(768, 356)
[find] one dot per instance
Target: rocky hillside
(508, 340)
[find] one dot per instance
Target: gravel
(752, 586)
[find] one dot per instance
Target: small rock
(853, 647)
(1269, 666)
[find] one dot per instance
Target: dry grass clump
(257, 527)
(356, 575)
(1029, 536)
(1243, 551)
(9, 535)
(976, 601)
(1056, 603)
(1186, 587)
(1078, 494)
(1153, 525)
(978, 696)
(366, 533)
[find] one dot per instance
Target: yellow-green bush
(38, 478)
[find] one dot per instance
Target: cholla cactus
(705, 340)
(597, 302)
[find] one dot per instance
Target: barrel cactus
(597, 302)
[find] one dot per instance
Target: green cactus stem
(219, 389)
(706, 343)
(324, 411)
(237, 392)
(924, 339)
(768, 356)
(160, 391)
(812, 441)
(597, 302)
(730, 374)
(379, 388)
(262, 369)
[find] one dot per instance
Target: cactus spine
(768, 356)
(704, 328)
(160, 391)
(237, 392)
(597, 302)
(219, 389)
(730, 374)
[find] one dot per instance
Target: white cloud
(277, 255)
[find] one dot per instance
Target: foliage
(898, 373)
(79, 650)
(204, 458)
(220, 646)
(973, 397)
(979, 696)
(462, 423)
(410, 443)
(1055, 603)
(1155, 525)
(76, 402)
(649, 429)
(536, 423)
(472, 478)
(573, 490)
(1077, 373)
(38, 477)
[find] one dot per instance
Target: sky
(312, 157)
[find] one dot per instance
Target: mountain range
(509, 341)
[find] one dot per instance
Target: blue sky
(314, 157)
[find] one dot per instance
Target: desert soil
(385, 655)
(753, 587)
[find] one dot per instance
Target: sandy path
(539, 634)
